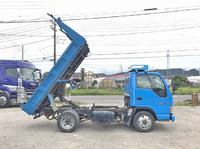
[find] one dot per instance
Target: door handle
(139, 98)
(5, 80)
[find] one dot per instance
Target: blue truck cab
(18, 81)
(148, 91)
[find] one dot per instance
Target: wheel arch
(6, 90)
(150, 110)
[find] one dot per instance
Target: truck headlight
(12, 88)
(20, 89)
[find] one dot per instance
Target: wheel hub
(3, 100)
(67, 122)
(144, 122)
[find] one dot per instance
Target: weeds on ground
(184, 103)
(58, 103)
(95, 92)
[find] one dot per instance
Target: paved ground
(101, 100)
(20, 131)
(117, 100)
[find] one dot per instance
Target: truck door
(151, 91)
(1, 75)
(10, 77)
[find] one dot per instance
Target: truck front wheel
(143, 121)
(68, 121)
(4, 100)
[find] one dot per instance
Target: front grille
(30, 89)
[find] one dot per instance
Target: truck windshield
(29, 74)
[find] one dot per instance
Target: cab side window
(11, 72)
(143, 82)
(152, 82)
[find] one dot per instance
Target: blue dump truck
(147, 97)
(18, 80)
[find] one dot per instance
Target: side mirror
(18, 70)
(18, 73)
(39, 73)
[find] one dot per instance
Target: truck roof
(148, 73)
(17, 63)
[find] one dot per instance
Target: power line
(140, 57)
(131, 15)
(110, 34)
(21, 27)
(24, 35)
(10, 40)
(35, 29)
(26, 43)
(16, 37)
(39, 50)
(155, 57)
(31, 33)
(104, 17)
(142, 52)
(43, 49)
(120, 34)
(145, 32)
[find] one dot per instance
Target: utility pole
(54, 36)
(121, 68)
(22, 53)
(168, 64)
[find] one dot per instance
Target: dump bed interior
(62, 70)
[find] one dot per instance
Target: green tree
(82, 74)
(94, 82)
(179, 80)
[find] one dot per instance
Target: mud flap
(129, 118)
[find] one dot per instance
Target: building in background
(118, 78)
(89, 77)
(107, 83)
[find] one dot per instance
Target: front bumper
(172, 117)
(29, 94)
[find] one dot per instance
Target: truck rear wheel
(4, 100)
(143, 121)
(68, 121)
(77, 116)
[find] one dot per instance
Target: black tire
(143, 121)
(77, 116)
(4, 100)
(68, 121)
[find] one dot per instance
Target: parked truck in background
(18, 81)
(147, 97)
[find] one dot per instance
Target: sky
(119, 33)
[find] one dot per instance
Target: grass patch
(80, 103)
(186, 91)
(95, 92)
(183, 103)
(179, 91)
(58, 103)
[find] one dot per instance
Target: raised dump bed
(62, 70)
